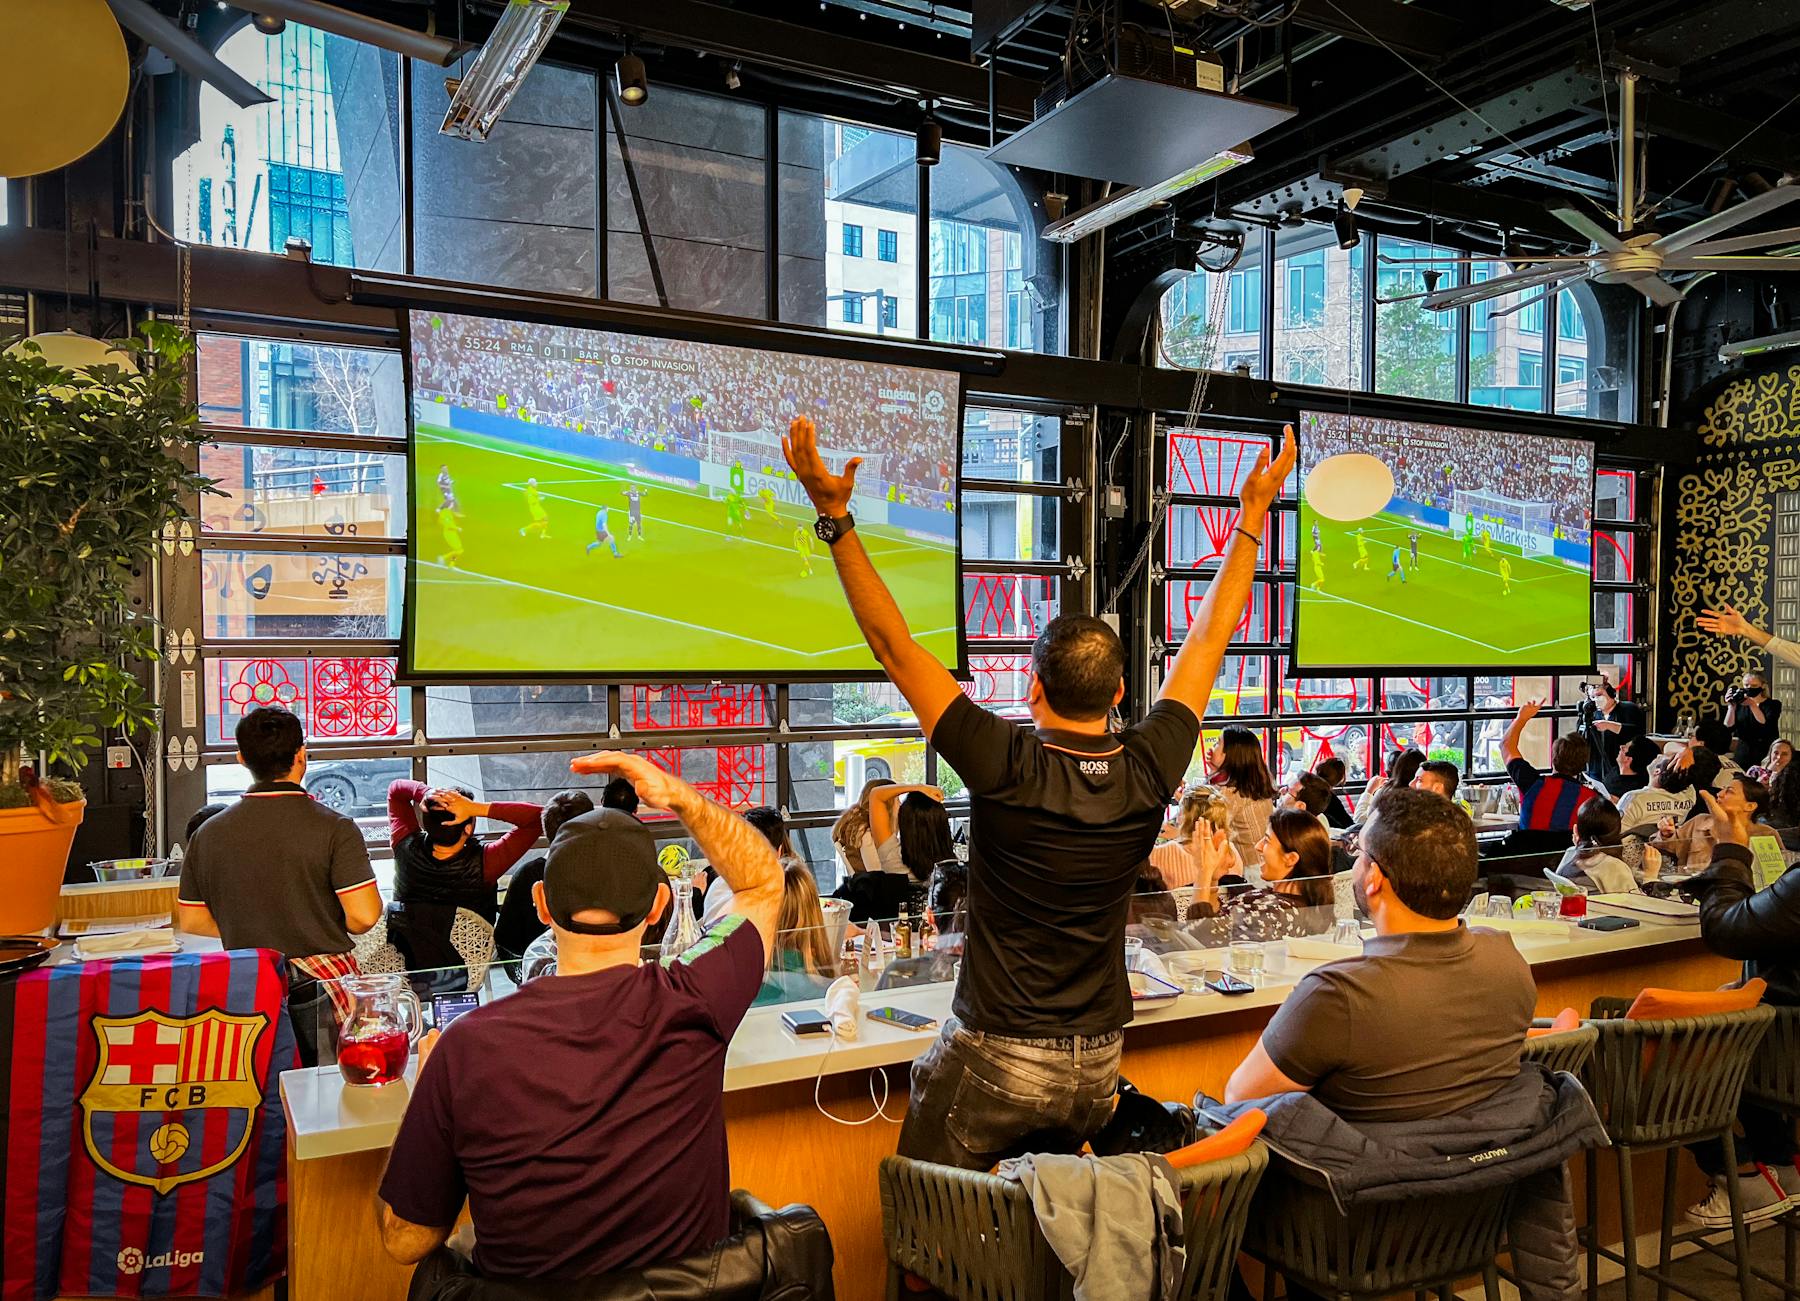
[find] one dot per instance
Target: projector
(1146, 56)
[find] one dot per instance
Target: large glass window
(1318, 309)
(1415, 349)
(1198, 333)
(1506, 345)
(1574, 374)
(992, 280)
(319, 163)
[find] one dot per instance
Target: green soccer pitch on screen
(1436, 547)
(605, 505)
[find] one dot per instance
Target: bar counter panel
(784, 1150)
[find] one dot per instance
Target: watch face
(825, 528)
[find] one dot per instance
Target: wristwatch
(829, 528)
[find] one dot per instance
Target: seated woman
(1331, 771)
(802, 963)
(1295, 899)
(1688, 847)
(1596, 859)
(850, 833)
(1201, 807)
(1241, 773)
(1153, 917)
(922, 840)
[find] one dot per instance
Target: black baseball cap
(604, 859)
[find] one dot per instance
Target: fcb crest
(172, 1099)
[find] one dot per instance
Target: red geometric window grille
(999, 682)
(353, 697)
(734, 775)
(1007, 605)
(1212, 465)
(654, 707)
(1256, 624)
(1619, 550)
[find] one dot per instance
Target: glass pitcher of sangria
(378, 1034)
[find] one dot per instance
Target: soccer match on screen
(602, 503)
(1428, 546)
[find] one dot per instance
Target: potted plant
(91, 470)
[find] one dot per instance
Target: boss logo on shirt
(1096, 767)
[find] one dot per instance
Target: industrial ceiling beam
(1664, 114)
(772, 43)
(1405, 27)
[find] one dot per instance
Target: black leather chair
(771, 1255)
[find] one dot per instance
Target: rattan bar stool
(1379, 1248)
(974, 1236)
(1659, 1085)
(1567, 1050)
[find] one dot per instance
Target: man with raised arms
(1063, 816)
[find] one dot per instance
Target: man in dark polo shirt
(1397, 1034)
(1548, 802)
(278, 870)
(1062, 819)
(583, 1117)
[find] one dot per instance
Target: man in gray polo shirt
(278, 870)
(1430, 1019)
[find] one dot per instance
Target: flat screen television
(1437, 547)
(609, 506)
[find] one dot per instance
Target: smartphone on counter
(445, 1008)
(802, 1021)
(1608, 923)
(1223, 982)
(902, 1018)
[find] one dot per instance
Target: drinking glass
(1347, 931)
(1499, 906)
(1547, 905)
(1246, 959)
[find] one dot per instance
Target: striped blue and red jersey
(1547, 801)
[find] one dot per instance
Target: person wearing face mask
(1754, 719)
(440, 866)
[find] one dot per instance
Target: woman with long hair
(1241, 773)
(802, 962)
(1597, 858)
(1688, 847)
(1296, 899)
(1202, 808)
(1780, 755)
(850, 833)
(921, 841)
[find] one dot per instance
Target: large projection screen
(1435, 547)
(610, 506)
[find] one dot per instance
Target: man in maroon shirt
(438, 860)
(583, 1117)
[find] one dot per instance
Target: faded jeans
(979, 1098)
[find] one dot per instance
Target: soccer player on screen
(634, 519)
(1469, 536)
(539, 523)
(1412, 540)
(1316, 546)
(602, 535)
(767, 495)
(1505, 576)
(736, 512)
(447, 487)
(450, 524)
(803, 543)
(1318, 566)
(1395, 567)
(1362, 551)
(1487, 541)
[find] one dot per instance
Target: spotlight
(1055, 204)
(1353, 195)
(1432, 280)
(269, 24)
(633, 81)
(929, 144)
(1344, 223)
(734, 76)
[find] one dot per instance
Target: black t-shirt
(880, 896)
(1754, 738)
(1336, 815)
(420, 877)
(1060, 826)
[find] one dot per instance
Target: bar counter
(784, 1150)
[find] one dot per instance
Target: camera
(1735, 696)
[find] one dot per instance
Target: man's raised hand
(830, 492)
(655, 787)
(1265, 480)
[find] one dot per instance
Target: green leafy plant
(91, 470)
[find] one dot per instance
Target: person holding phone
(1754, 719)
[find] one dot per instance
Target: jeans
(979, 1098)
(315, 1022)
(1768, 1140)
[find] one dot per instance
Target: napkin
(127, 944)
(841, 1003)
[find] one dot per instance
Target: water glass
(1348, 932)
(1246, 959)
(1499, 906)
(1547, 905)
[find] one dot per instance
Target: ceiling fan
(1640, 259)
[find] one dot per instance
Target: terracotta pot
(34, 850)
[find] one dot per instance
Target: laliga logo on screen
(934, 401)
(131, 1260)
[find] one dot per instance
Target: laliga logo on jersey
(189, 1082)
(1096, 767)
(132, 1261)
